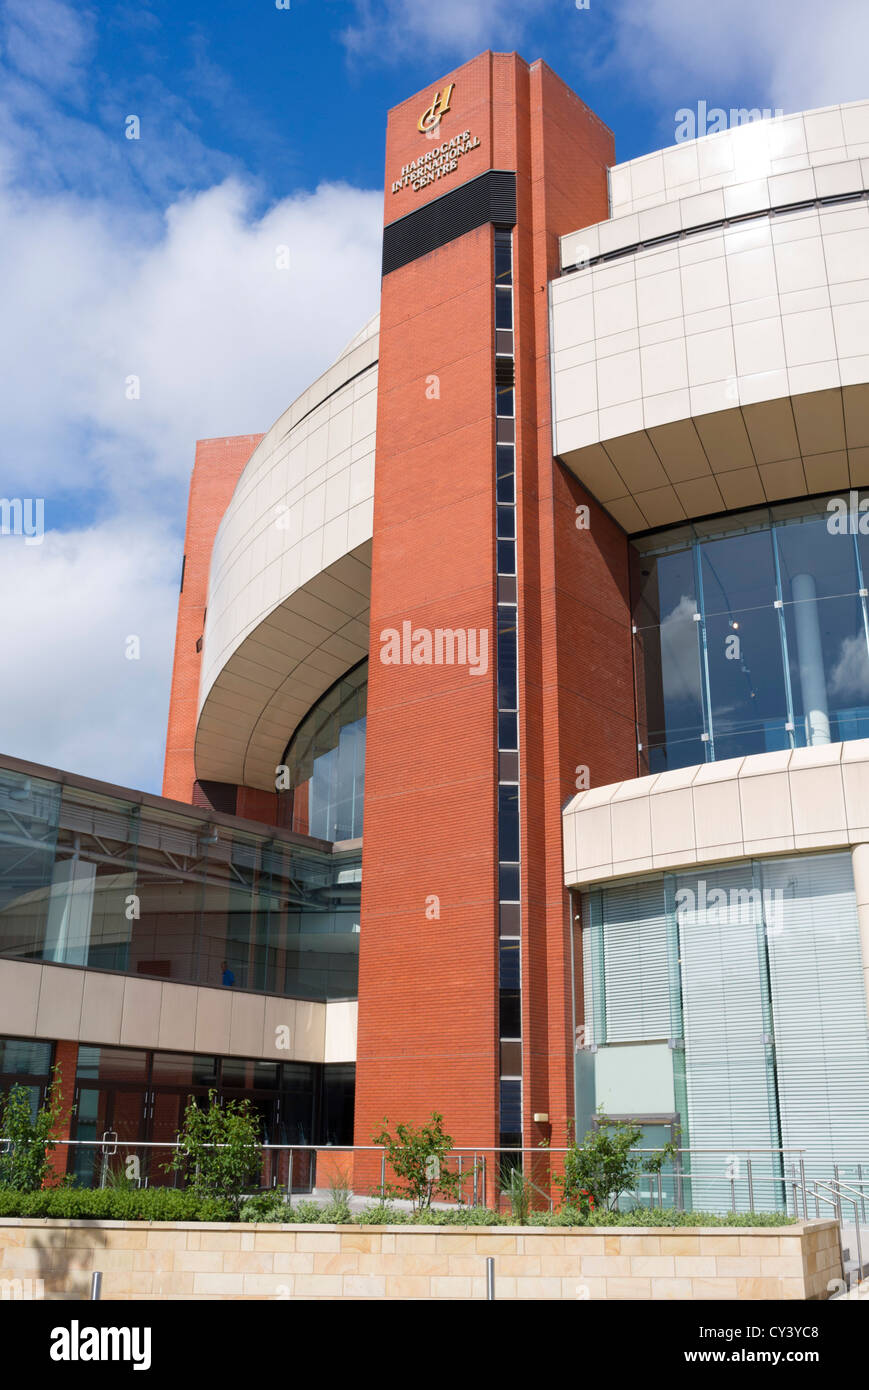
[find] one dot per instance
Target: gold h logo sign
(431, 117)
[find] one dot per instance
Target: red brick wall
(216, 469)
(428, 988)
(66, 1059)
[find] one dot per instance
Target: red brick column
(66, 1061)
(216, 470)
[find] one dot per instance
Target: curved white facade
(727, 365)
(290, 573)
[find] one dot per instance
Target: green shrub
(24, 1160)
(419, 1158)
(171, 1204)
(603, 1167)
(219, 1149)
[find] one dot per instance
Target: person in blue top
(228, 975)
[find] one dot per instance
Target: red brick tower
(496, 152)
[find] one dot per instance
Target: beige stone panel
(741, 488)
(756, 1245)
(639, 1245)
(820, 421)
(784, 478)
(637, 463)
(653, 1266)
(358, 1240)
(695, 1266)
(446, 1287)
(765, 807)
(19, 996)
(102, 1007)
(225, 1285)
(199, 1261)
(627, 514)
(160, 1239)
(564, 1266)
(177, 1028)
(247, 1262)
(628, 1288)
(220, 1240)
(520, 1264)
(213, 1020)
(60, 998)
(661, 506)
(536, 1288)
(738, 1266)
(679, 448)
(671, 1288)
(607, 1266)
(405, 1286)
(279, 1021)
(827, 472)
(584, 1245)
(364, 1286)
(282, 1242)
(318, 1242)
(140, 1021)
(247, 1018)
(293, 1263)
(310, 1031)
(771, 430)
(725, 441)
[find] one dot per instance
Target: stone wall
(140, 1260)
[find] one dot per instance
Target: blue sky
(155, 259)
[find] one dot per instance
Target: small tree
(24, 1156)
(418, 1156)
(219, 1151)
(602, 1168)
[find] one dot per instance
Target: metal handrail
(819, 1182)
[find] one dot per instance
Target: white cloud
(394, 28)
(109, 271)
(221, 340)
(47, 40)
(793, 54)
(69, 696)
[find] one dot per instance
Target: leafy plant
(337, 1209)
(419, 1158)
(601, 1169)
(219, 1149)
(24, 1157)
(518, 1190)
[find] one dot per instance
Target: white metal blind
(819, 1007)
(728, 1064)
(636, 996)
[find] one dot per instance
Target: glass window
(506, 472)
(326, 762)
(748, 698)
(24, 1057)
(508, 822)
(826, 636)
(119, 1064)
(507, 687)
(752, 634)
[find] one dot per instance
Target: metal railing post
(750, 1183)
(96, 1286)
(490, 1278)
(804, 1190)
(383, 1175)
(290, 1177)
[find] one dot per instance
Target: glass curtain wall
(751, 635)
(90, 879)
(750, 975)
(326, 763)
